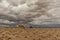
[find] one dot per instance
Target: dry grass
(22, 33)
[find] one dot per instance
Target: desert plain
(24, 33)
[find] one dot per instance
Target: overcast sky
(29, 11)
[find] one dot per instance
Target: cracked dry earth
(29, 33)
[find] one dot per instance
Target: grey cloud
(28, 11)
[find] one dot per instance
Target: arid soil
(21, 33)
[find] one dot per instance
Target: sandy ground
(21, 33)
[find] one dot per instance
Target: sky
(33, 12)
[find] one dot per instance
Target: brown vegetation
(22, 33)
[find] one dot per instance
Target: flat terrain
(21, 33)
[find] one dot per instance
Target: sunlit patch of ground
(23, 33)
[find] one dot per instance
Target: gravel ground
(22, 33)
